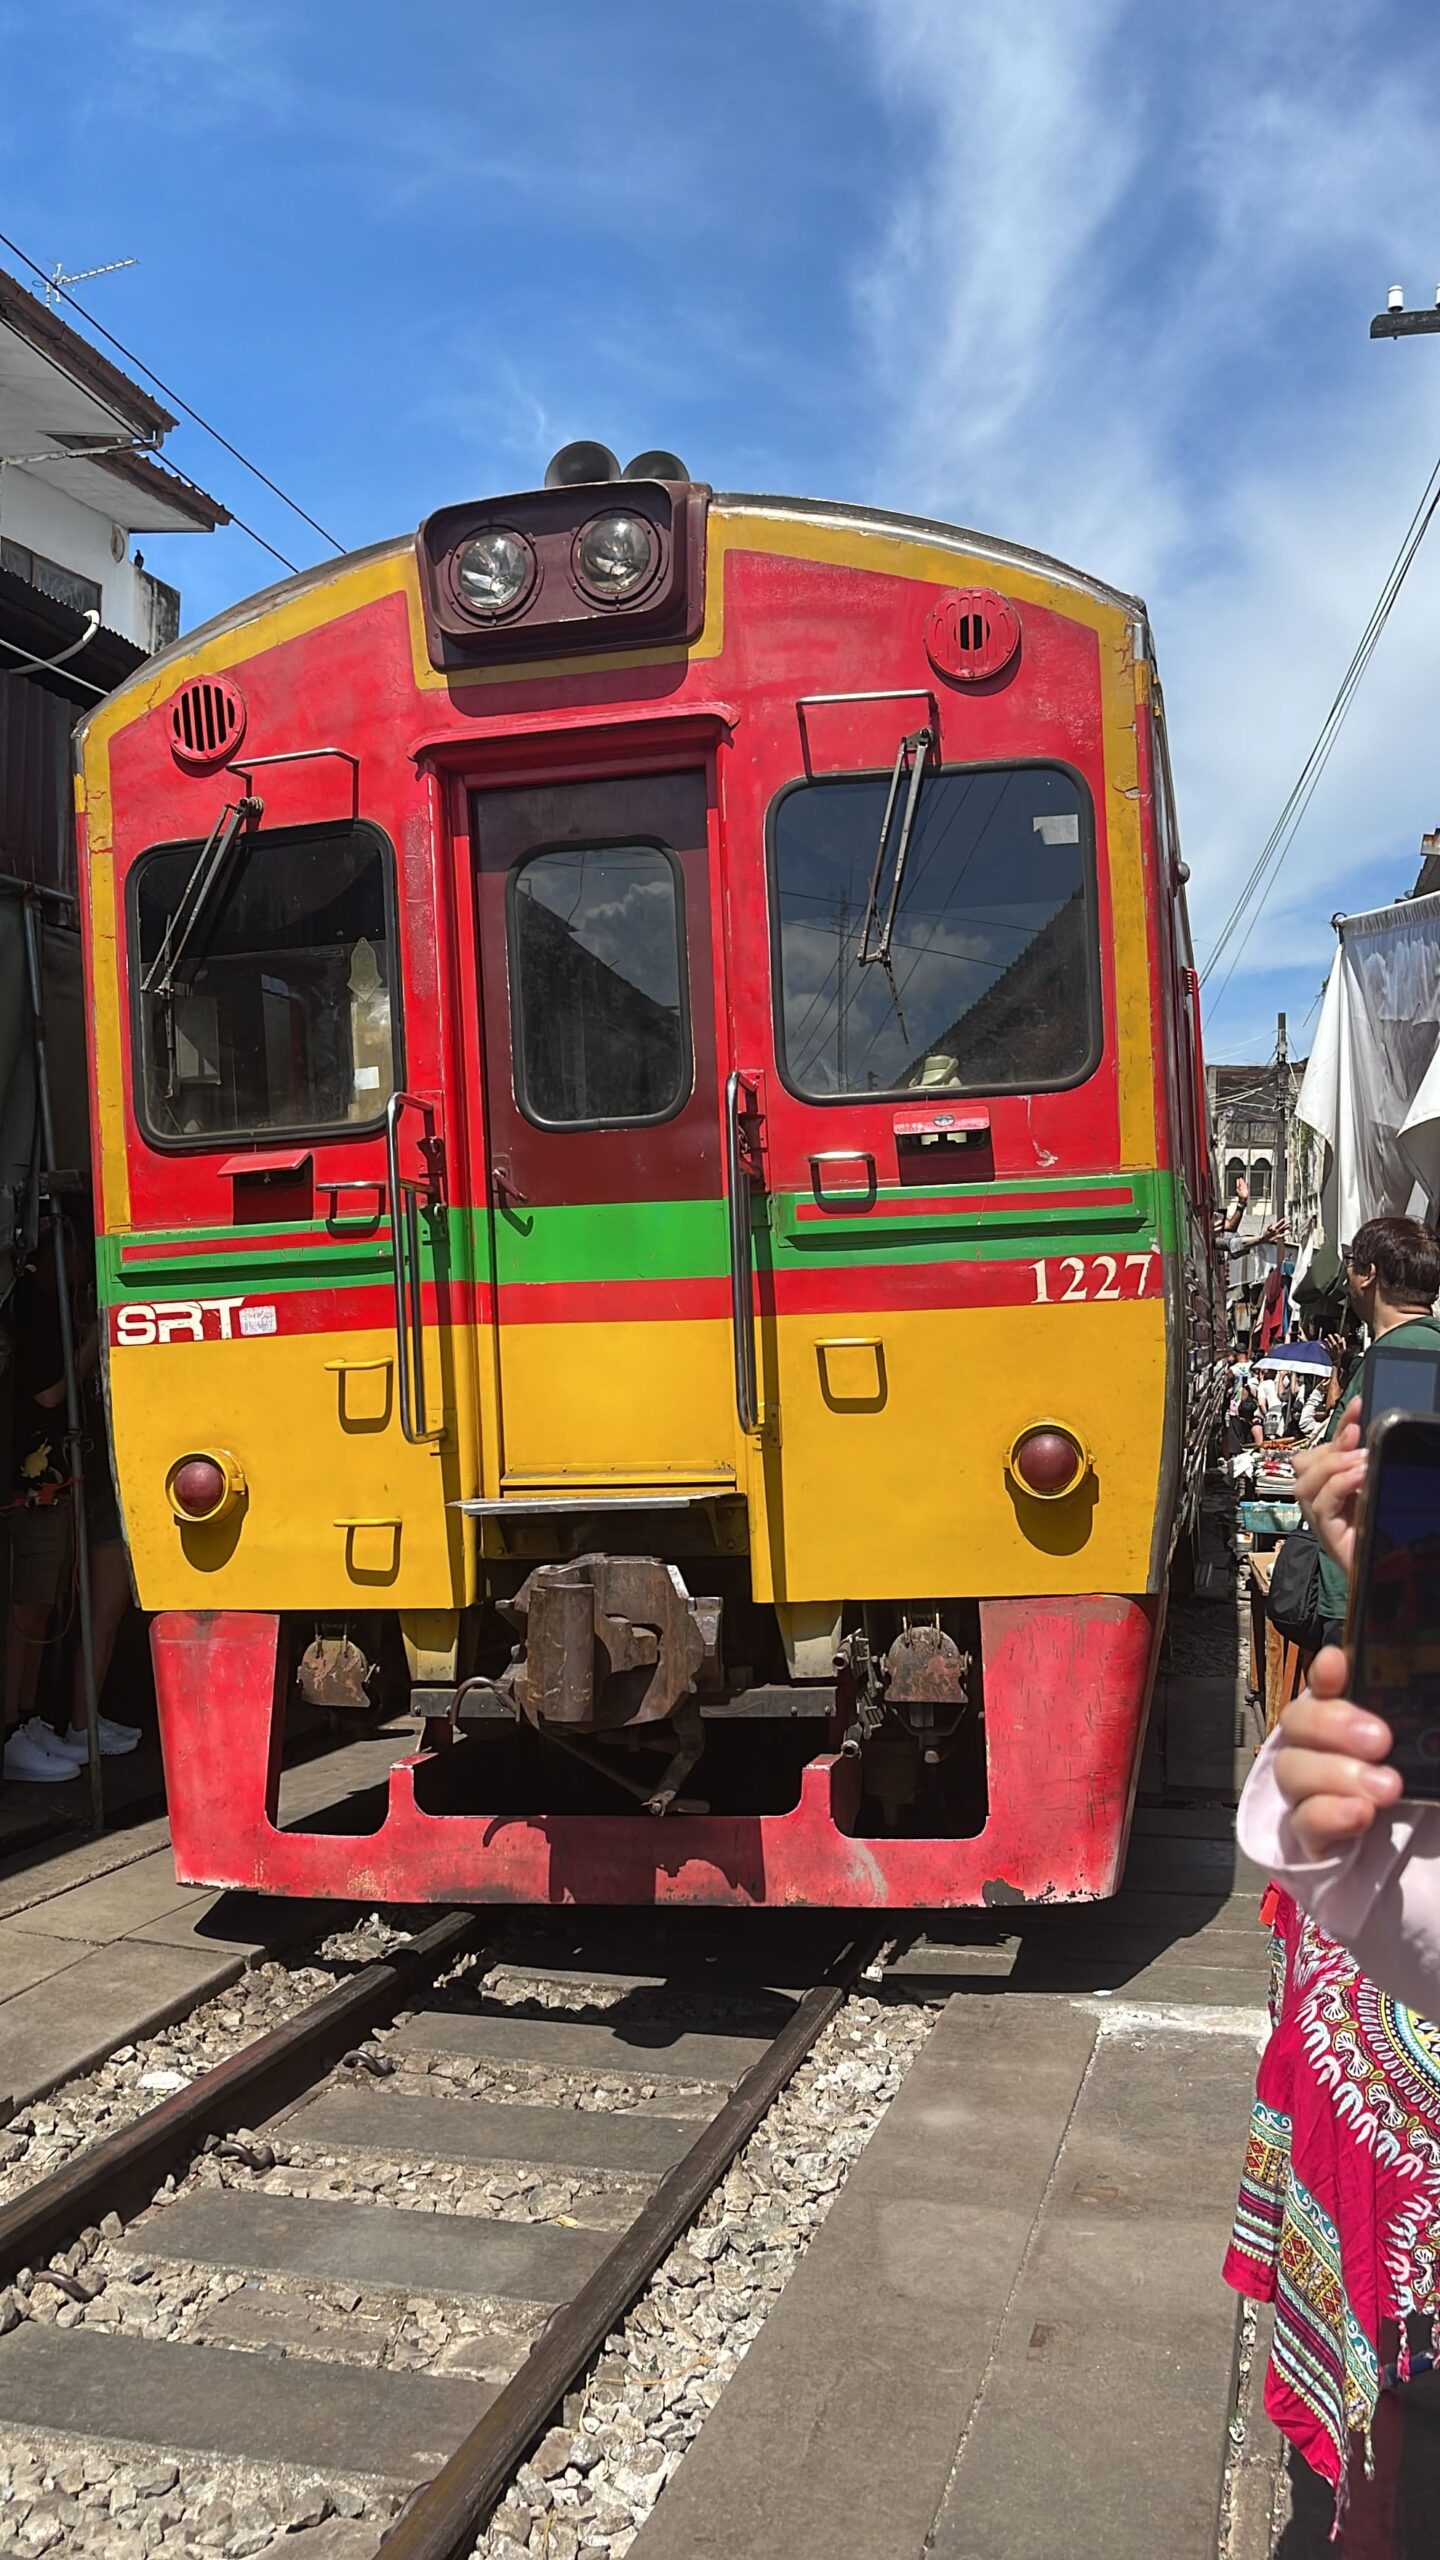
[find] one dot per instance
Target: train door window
(263, 1002)
(597, 986)
(992, 982)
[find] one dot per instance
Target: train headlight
(493, 572)
(206, 1484)
(615, 556)
(1048, 1461)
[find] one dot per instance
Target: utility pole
(1284, 1098)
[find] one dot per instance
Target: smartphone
(1403, 1380)
(1392, 1631)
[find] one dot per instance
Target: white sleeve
(1380, 1896)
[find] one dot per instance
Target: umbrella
(1294, 1355)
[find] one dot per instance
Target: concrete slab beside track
(1011, 2340)
(99, 1945)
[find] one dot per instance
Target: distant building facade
(1258, 1138)
(79, 478)
(1252, 1116)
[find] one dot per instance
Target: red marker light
(206, 1484)
(197, 1487)
(1048, 1461)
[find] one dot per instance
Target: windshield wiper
(195, 897)
(875, 937)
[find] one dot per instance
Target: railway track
(332, 2295)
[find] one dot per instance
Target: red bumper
(1067, 1684)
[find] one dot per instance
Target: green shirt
(1419, 1332)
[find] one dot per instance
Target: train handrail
(742, 1305)
(405, 1197)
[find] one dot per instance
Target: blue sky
(1095, 275)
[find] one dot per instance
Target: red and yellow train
(651, 1178)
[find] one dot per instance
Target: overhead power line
(1265, 870)
(169, 393)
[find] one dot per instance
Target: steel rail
(120, 2174)
(442, 2519)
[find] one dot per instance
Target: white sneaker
(27, 1759)
(115, 1741)
(42, 1733)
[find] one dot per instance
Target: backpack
(1293, 1607)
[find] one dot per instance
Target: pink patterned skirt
(1338, 2222)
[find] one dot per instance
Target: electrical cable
(73, 675)
(183, 405)
(1282, 835)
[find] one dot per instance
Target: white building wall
(46, 519)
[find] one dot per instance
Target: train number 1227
(1094, 1275)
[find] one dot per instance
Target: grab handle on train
(740, 1173)
(408, 1192)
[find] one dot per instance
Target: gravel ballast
(591, 2483)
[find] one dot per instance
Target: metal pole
(1285, 1097)
(74, 1451)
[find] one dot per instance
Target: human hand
(1329, 1481)
(1327, 1766)
(1275, 1232)
(1335, 1344)
(1242, 1187)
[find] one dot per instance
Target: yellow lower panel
(341, 1511)
(886, 1476)
(642, 1401)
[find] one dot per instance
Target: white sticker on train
(192, 1320)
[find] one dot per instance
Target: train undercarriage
(600, 1732)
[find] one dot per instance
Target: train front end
(652, 1193)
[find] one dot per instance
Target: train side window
(267, 1005)
(993, 977)
(599, 1020)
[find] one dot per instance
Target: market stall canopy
(1372, 1087)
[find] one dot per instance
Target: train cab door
(603, 1156)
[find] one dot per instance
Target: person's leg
(39, 1558)
(25, 1635)
(109, 1600)
(39, 1566)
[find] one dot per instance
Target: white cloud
(205, 62)
(1119, 310)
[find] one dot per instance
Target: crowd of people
(1286, 1403)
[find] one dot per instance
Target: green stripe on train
(655, 1239)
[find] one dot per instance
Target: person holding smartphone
(1325, 1808)
(1338, 2221)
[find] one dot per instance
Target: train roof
(960, 538)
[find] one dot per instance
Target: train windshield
(275, 1011)
(993, 978)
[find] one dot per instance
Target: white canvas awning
(1372, 1087)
